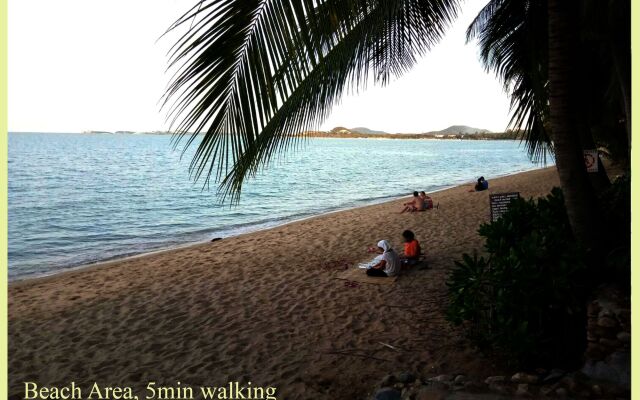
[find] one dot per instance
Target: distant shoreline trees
(507, 135)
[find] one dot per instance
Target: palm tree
(256, 72)
(564, 106)
(513, 37)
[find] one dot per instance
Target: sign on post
(499, 203)
(591, 160)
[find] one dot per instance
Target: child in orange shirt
(411, 249)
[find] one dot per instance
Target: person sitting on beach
(484, 183)
(481, 185)
(389, 261)
(412, 249)
(427, 202)
(417, 204)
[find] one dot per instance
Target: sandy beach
(263, 307)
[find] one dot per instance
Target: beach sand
(263, 307)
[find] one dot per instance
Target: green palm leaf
(253, 74)
(512, 35)
(514, 44)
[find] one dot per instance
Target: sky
(77, 65)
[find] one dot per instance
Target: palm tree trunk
(599, 180)
(564, 114)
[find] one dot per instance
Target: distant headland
(129, 132)
(452, 132)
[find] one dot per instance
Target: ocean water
(76, 199)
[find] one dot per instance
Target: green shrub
(526, 300)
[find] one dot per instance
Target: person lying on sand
(389, 261)
(417, 204)
(412, 250)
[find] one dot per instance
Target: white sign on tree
(591, 160)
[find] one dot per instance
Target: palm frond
(253, 73)
(512, 35)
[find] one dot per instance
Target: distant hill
(458, 132)
(462, 129)
(340, 130)
(452, 130)
(368, 131)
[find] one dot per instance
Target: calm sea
(76, 199)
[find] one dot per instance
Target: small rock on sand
(406, 377)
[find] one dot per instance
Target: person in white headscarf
(389, 261)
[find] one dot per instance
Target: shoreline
(105, 263)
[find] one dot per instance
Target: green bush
(526, 300)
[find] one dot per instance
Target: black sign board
(499, 203)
